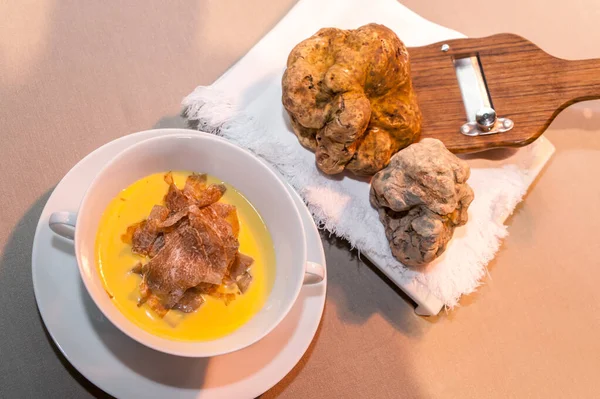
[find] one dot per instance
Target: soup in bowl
(190, 245)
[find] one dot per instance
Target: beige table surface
(75, 75)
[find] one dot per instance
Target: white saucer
(126, 369)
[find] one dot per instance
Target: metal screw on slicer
(485, 118)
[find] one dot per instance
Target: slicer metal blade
(480, 113)
(472, 85)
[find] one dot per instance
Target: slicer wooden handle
(524, 83)
(581, 80)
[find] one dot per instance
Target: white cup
(215, 156)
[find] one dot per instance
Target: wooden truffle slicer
(497, 91)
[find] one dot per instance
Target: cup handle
(63, 224)
(313, 273)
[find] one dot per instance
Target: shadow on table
(172, 122)
(361, 290)
(26, 344)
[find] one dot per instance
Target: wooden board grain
(525, 84)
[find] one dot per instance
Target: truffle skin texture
(421, 197)
(350, 98)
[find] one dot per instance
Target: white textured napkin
(244, 106)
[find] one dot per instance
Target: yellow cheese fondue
(213, 319)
